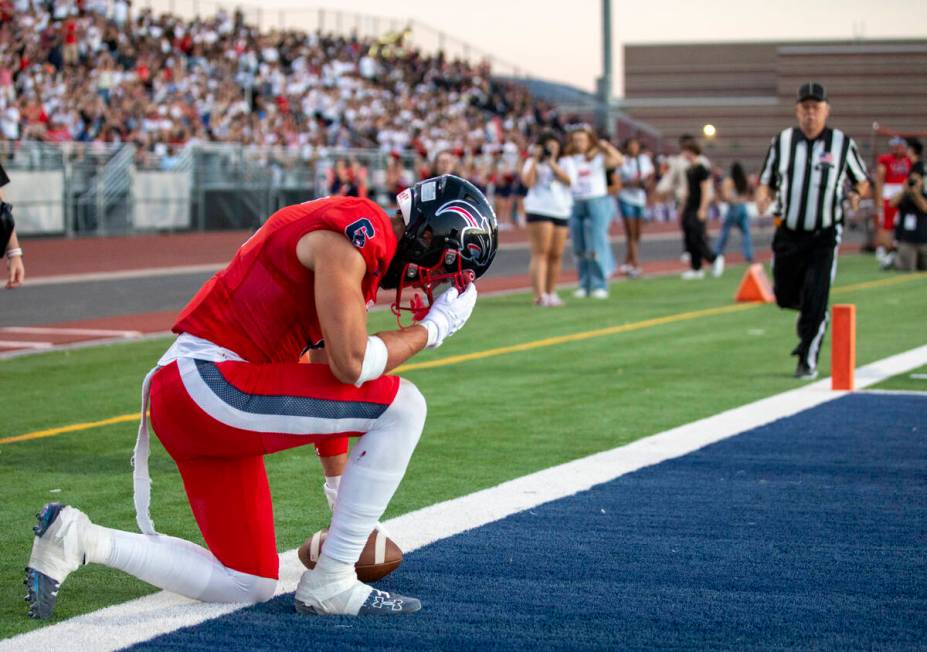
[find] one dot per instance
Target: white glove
(448, 314)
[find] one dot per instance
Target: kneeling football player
(230, 390)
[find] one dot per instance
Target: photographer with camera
(547, 207)
(911, 223)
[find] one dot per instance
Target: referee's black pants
(804, 264)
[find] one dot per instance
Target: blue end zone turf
(807, 533)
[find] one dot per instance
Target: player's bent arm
(895, 200)
(339, 272)
(879, 185)
(863, 188)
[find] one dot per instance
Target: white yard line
(122, 274)
(22, 344)
(144, 618)
(89, 332)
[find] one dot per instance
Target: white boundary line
(29, 346)
(122, 274)
(89, 332)
(144, 618)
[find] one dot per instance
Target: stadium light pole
(605, 81)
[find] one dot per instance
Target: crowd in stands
(96, 70)
(103, 71)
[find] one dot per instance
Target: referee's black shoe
(804, 372)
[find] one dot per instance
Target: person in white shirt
(635, 175)
(547, 207)
(586, 158)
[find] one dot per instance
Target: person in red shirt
(231, 390)
(69, 36)
(892, 173)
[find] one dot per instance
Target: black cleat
(804, 372)
(42, 592)
(57, 551)
(381, 603)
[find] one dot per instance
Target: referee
(807, 171)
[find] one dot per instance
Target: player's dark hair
(546, 135)
(692, 146)
(916, 145)
(739, 177)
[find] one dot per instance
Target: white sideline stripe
(121, 274)
(21, 344)
(91, 332)
(160, 613)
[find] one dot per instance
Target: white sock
(332, 482)
(332, 587)
(373, 473)
(175, 565)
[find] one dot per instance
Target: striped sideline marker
(142, 619)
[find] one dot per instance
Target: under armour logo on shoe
(382, 600)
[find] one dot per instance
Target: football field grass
(518, 390)
(910, 381)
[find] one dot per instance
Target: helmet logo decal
(467, 212)
(476, 222)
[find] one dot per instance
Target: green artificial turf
(911, 381)
(490, 420)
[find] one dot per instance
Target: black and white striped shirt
(810, 176)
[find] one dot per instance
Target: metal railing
(78, 189)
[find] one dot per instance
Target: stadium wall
(747, 90)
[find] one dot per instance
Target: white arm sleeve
(375, 358)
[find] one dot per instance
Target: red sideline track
(63, 256)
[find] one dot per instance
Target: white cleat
(57, 551)
(349, 597)
(717, 269)
(693, 274)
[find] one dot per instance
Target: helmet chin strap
(426, 279)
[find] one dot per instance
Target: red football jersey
(896, 173)
(897, 169)
(262, 305)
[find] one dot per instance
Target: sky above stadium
(561, 40)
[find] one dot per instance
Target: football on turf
(380, 557)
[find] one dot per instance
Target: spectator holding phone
(547, 206)
(586, 160)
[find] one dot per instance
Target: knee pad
(409, 408)
(254, 588)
